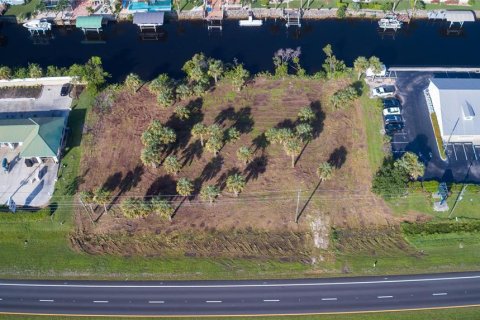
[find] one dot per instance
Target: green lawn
(372, 117)
(434, 253)
(467, 313)
(23, 10)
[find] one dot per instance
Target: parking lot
(463, 160)
(28, 186)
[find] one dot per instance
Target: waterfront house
(39, 138)
(456, 103)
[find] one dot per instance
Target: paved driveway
(463, 163)
(50, 99)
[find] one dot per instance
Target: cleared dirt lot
(267, 205)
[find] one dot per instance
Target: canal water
(122, 50)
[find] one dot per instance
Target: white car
(383, 91)
(394, 111)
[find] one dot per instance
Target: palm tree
(182, 112)
(236, 183)
(215, 69)
(375, 64)
(200, 130)
(293, 147)
(304, 131)
(184, 187)
(361, 65)
(183, 91)
(171, 165)
(133, 82)
(325, 171)
(102, 197)
(162, 207)
(209, 193)
(233, 134)
(306, 114)
(244, 154)
(213, 145)
(215, 131)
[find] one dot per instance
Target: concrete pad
(50, 99)
(27, 186)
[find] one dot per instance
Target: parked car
(393, 119)
(392, 111)
(391, 102)
(5, 164)
(383, 91)
(65, 89)
(391, 128)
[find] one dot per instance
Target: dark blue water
(421, 44)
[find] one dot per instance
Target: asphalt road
(240, 297)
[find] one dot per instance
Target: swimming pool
(159, 5)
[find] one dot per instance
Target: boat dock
(293, 17)
(452, 16)
(214, 14)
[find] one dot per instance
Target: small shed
(89, 23)
(149, 20)
(459, 16)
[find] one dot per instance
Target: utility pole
(298, 205)
(451, 133)
(460, 196)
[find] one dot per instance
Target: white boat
(390, 22)
(250, 22)
(38, 25)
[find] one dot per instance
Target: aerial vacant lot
(260, 222)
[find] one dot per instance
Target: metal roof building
(38, 137)
(149, 20)
(89, 23)
(456, 103)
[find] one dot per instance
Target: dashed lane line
(156, 301)
(271, 300)
(384, 297)
(46, 300)
(329, 299)
(100, 301)
(213, 301)
(439, 294)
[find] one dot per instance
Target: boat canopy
(89, 22)
(148, 18)
(459, 16)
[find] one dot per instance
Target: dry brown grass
(269, 200)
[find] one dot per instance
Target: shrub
(135, 208)
(342, 11)
(440, 227)
(390, 180)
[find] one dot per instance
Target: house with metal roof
(148, 20)
(37, 137)
(456, 102)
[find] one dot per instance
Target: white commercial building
(456, 103)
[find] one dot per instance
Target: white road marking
(306, 284)
(46, 300)
(213, 301)
(100, 301)
(271, 300)
(384, 297)
(329, 299)
(156, 301)
(439, 294)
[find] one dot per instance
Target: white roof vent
(468, 112)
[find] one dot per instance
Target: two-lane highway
(304, 296)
